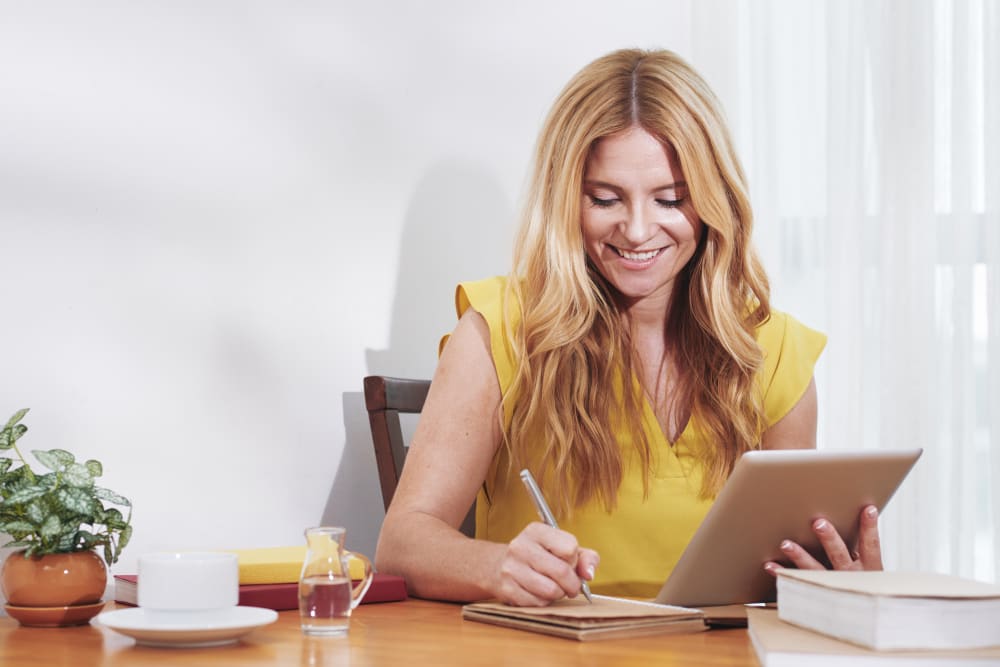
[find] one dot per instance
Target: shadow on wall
(355, 500)
(459, 226)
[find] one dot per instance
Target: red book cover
(384, 588)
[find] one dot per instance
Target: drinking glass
(327, 594)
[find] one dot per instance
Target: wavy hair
(575, 386)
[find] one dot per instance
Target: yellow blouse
(641, 541)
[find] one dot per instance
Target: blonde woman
(628, 360)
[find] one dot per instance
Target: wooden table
(415, 632)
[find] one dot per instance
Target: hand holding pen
(546, 515)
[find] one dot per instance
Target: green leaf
(5, 464)
(9, 435)
(18, 544)
(109, 556)
(35, 512)
(18, 416)
(95, 468)
(68, 541)
(75, 500)
(86, 540)
(52, 526)
(78, 475)
(54, 459)
(111, 496)
(14, 528)
(112, 516)
(28, 493)
(126, 535)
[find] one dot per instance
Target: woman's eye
(603, 203)
(670, 203)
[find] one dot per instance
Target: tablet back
(772, 496)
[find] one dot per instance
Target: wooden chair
(386, 398)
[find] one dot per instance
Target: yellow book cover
(278, 565)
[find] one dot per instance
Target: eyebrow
(611, 186)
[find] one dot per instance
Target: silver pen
(546, 515)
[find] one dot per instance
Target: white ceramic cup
(188, 581)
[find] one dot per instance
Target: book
(606, 618)
(892, 610)
(781, 644)
(281, 596)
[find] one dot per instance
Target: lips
(638, 255)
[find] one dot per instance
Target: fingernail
(821, 524)
(786, 545)
(769, 567)
(871, 511)
(590, 573)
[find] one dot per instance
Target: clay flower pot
(53, 580)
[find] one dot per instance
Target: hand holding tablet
(774, 497)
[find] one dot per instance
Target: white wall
(217, 217)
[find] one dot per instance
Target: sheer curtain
(870, 131)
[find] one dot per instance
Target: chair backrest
(386, 398)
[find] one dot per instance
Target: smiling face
(640, 228)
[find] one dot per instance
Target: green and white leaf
(54, 459)
(75, 499)
(27, 494)
(18, 416)
(14, 528)
(35, 512)
(52, 526)
(111, 496)
(95, 468)
(78, 475)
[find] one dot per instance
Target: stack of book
(269, 578)
(878, 618)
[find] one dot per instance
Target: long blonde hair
(571, 343)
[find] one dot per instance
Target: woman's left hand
(868, 555)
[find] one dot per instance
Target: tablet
(771, 496)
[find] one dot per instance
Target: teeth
(637, 256)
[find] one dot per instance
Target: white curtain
(870, 131)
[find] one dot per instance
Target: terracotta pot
(53, 580)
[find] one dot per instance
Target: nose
(637, 226)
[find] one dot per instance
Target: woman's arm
(455, 441)
(797, 430)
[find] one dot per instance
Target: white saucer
(210, 627)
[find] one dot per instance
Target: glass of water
(327, 593)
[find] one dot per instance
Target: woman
(628, 361)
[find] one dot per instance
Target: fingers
(836, 551)
(800, 557)
(587, 563)
(543, 564)
(772, 568)
(869, 545)
(868, 555)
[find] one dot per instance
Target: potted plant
(58, 520)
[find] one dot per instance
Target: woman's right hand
(543, 564)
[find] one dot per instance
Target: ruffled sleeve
(790, 353)
(487, 298)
